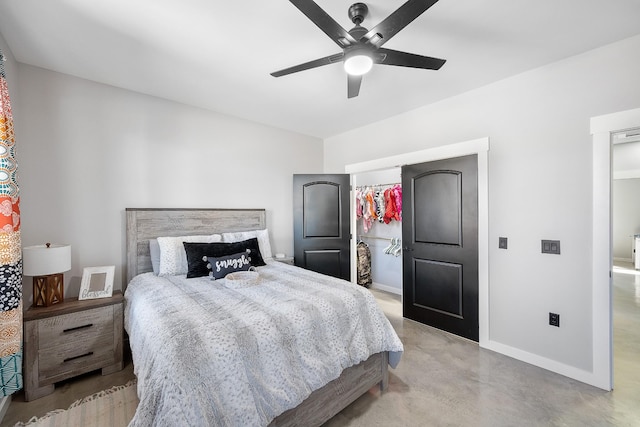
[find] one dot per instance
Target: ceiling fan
(361, 48)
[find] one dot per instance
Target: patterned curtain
(10, 251)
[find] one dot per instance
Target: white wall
(87, 151)
(625, 160)
(626, 217)
(539, 188)
(626, 203)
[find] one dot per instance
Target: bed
(206, 353)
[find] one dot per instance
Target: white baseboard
(551, 365)
(386, 288)
(623, 259)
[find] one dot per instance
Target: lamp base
(48, 290)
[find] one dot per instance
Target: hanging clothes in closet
(364, 265)
(378, 203)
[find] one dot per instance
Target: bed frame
(322, 404)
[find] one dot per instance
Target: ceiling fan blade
(331, 59)
(353, 85)
(403, 16)
(325, 22)
(404, 59)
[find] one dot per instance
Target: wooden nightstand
(69, 339)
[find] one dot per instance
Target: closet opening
(378, 230)
(478, 146)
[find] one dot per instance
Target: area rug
(109, 408)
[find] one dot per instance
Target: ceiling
(218, 54)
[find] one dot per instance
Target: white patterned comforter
(205, 354)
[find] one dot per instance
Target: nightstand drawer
(59, 362)
(73, 328)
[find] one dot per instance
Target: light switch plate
(551, 247)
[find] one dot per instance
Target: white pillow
(154, 253)
(263, 240)
(173, 258)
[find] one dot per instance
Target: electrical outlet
(502, 242)
(554, 319)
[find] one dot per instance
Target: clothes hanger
(398, 249)
(389, 248)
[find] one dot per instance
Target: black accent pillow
(196, 267)
(221, 266)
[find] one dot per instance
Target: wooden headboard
(148, 223)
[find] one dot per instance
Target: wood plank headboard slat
(144, 224)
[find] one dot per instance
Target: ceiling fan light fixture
(358, 64)
(362, 47)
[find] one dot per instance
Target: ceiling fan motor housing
(357, 12)
(358, 31)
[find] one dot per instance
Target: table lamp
(46, 263)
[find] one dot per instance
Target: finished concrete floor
(444, 380)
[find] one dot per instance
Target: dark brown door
(440, 235)
(321, 224)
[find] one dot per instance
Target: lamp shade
(41, 260)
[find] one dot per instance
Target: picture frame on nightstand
(97, 282)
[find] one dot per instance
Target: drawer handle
(77, 327)
(69, 359)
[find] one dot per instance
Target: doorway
(602, 129)
(479, 147)
(625, 291)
